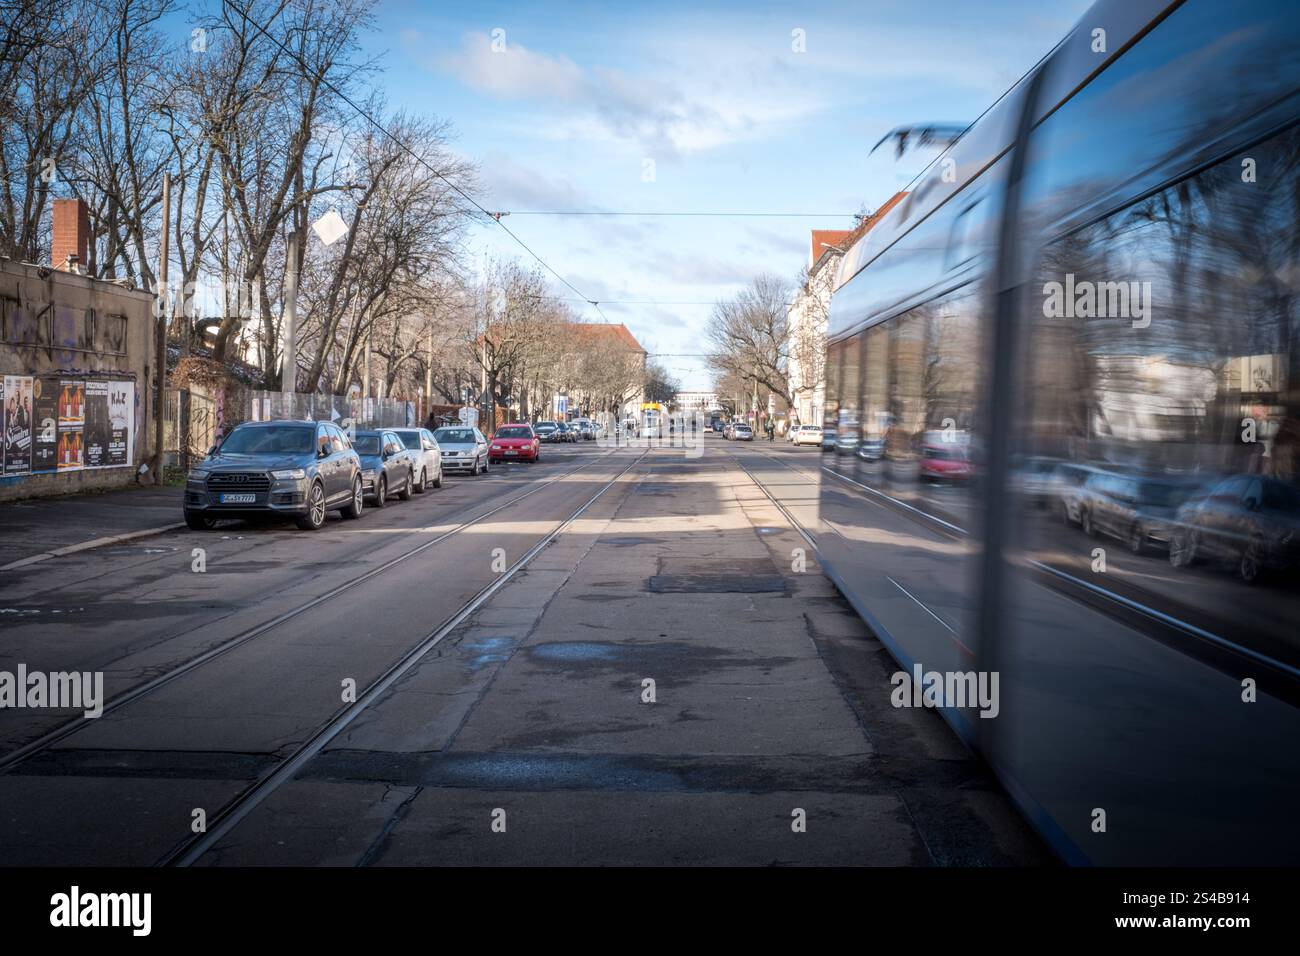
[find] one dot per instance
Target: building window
(22, 326)
(110, 333)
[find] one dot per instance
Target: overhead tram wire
(418, 158)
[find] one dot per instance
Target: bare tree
(748, 335)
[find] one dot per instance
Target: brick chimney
(71, 249)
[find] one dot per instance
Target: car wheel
(487, 465)
(1085, 521)
(354, 510)
(1182, 548)
(197, 522)
(315, 516)
(1248, 568)
(381, 492)
(437, 480)
(423, 482)
(1137, 538)
(405, 493)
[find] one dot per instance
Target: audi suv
(299, 470)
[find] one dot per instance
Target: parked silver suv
(297, 469)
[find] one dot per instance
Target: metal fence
(345, 410)
(186, 442)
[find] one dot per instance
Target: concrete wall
(57, 325)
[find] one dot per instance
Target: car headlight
(496, 447)
(295, 474)
(198, 474)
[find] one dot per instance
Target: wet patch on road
(603, 772)
(683, 660)
(628, 541)
(716, 576)
(169, 764)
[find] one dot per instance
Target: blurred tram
(653, 422)
(1069, 362)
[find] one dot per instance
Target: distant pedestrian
(771, 429)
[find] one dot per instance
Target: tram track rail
(48, 739)
(190, 850)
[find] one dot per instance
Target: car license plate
(511, 451)
(238, 499)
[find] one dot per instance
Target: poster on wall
(16, 425)
(72, 403)
(71, 452)
(94, 428)
(45, 424)
(121, 422)
(58, 424)
(72, 418)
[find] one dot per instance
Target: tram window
(933, 366)
(875, 403)
(847, 429)
(831, 413)
(1194, 388)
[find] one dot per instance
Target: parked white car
(807, 435)
(421, 443)
(464, 449)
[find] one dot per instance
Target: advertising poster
(95, 428)
(56, 424)
(17, 425)
(72, 403)
(121, 422)
(71, 452)
(45, 424)
(72, 417)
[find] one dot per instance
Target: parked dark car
(297, 469)
(463, 449)
(846, 440)
(871, 449)
(547, 431)
(387, 466)
(1251, 522)
(1136, 509)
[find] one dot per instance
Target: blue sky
(583, 97)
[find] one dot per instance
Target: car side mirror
(322, 452)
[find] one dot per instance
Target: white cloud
(692, 110)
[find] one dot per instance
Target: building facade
(77, 371)
(691, 402)
(810, 311)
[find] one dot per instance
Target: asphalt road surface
(615, 656)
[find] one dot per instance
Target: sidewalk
(41, 528)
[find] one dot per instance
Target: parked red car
(950, 462)
(517, 442)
